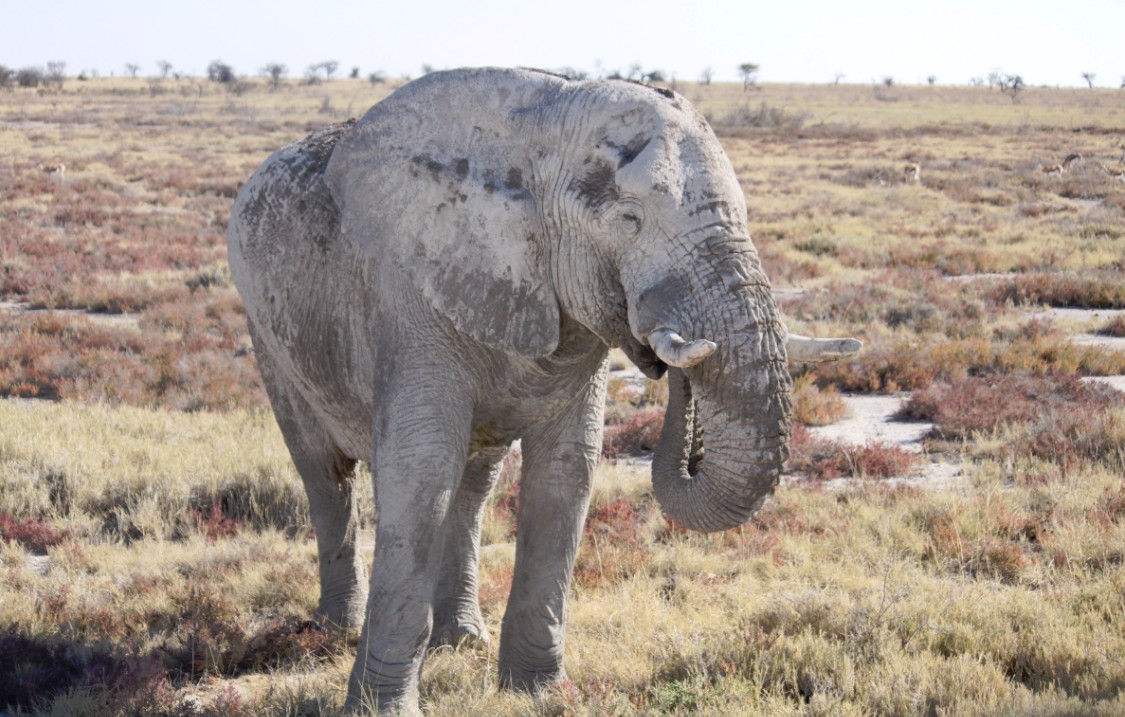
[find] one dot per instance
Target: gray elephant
(445, 276)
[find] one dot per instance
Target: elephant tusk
(671, 348)
(803, 349)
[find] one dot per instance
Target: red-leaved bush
(824, 459)
(33, 533)
(958, 408)
(634, 434)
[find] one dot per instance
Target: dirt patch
(130, 321)
(1116, 382)
(871, 418)
(1074, 316)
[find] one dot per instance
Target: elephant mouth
(644, 358)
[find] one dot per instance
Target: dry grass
(813, 602)
(179, 568)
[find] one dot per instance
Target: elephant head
(531, 201)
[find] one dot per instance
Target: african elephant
(445, 276)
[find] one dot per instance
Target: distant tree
(221, 72)
(1011, 85)
(1123, 82)
(748, 71)
(654, 76)
(931, 80)
(329, 67)
(56, 74)
(275, 71)
(706, 76)
(427, 69)
(7, 77)
(132, 68)
(889, 81)
(994, 78)
(376, 78)
(165, 67)
(312, 75)
(636, 72)
(839, 76)
(977, 82)
(1089, 77)
(29, 77)
(354, 74)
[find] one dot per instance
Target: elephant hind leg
(328, 475)
(457, 616)
(329, 479)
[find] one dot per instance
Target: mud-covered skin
(445, 276)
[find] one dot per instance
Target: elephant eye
(628, 216)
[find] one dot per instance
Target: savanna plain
(156, 556)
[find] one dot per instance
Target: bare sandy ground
(118, 320)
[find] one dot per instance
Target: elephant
(445, 276)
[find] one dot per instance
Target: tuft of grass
(1114, 327)
(813, 406)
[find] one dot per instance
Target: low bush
(910, 362)
(823, 459)
(813, 406)
(962, 407)
(1103, 289)
(57, 356)
(1114, 327)
(635, 434)
(35, 534)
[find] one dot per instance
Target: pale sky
(1047, 43)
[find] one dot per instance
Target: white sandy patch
(1076, 316)
(1117, 382)
(131, 321)
(871, 418)
(1114, 343)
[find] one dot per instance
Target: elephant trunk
(726, 428)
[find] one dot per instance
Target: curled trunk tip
(728, 485)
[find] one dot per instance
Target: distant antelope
(1117, 173)
(55, 169)
(1060, 169)
(912, 173)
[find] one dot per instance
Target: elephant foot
(369, 705)
(460, 635)
(342, 609)
(531, 681)
(346, 620)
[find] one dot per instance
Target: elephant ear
(461, 224)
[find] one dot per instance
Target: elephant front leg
(558, 467)
(419, 457)
(457, 616)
